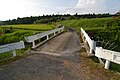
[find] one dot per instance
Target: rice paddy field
(40, 27)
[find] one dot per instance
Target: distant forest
(54, 18)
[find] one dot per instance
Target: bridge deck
(58, 59)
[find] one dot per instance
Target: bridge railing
(89, 41)
(33, 38)
(12, 47)
(20, 45)
(108, 55)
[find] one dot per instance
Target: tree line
(54, 18)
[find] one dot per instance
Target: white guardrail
(20, 45)
(12, 47)
(108, 55)
(91, 43)
(33, 38)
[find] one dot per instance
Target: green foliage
(87, 23)
(15, 36)
(112, 36)
(115, 67)
(0, 29)
(6, 55)
(45, 21)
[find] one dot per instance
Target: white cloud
(89, 6)
(10, 9)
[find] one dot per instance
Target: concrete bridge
(57, 59)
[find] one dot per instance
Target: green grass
(32, 26)
(15, 36)
(87, 23)
(7, 57)
(94, 29)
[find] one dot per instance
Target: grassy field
(87, 23)
(41, 27)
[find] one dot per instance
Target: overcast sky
(10, 9)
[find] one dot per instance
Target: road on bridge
(58, 59)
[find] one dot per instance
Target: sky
(12, 9)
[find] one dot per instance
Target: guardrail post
(59, 31)
(107, 64)
(47, 37)
(54, 33)
(100, 60)
(33, 43)
(93, 46)
(14, 53)
(62, 30)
